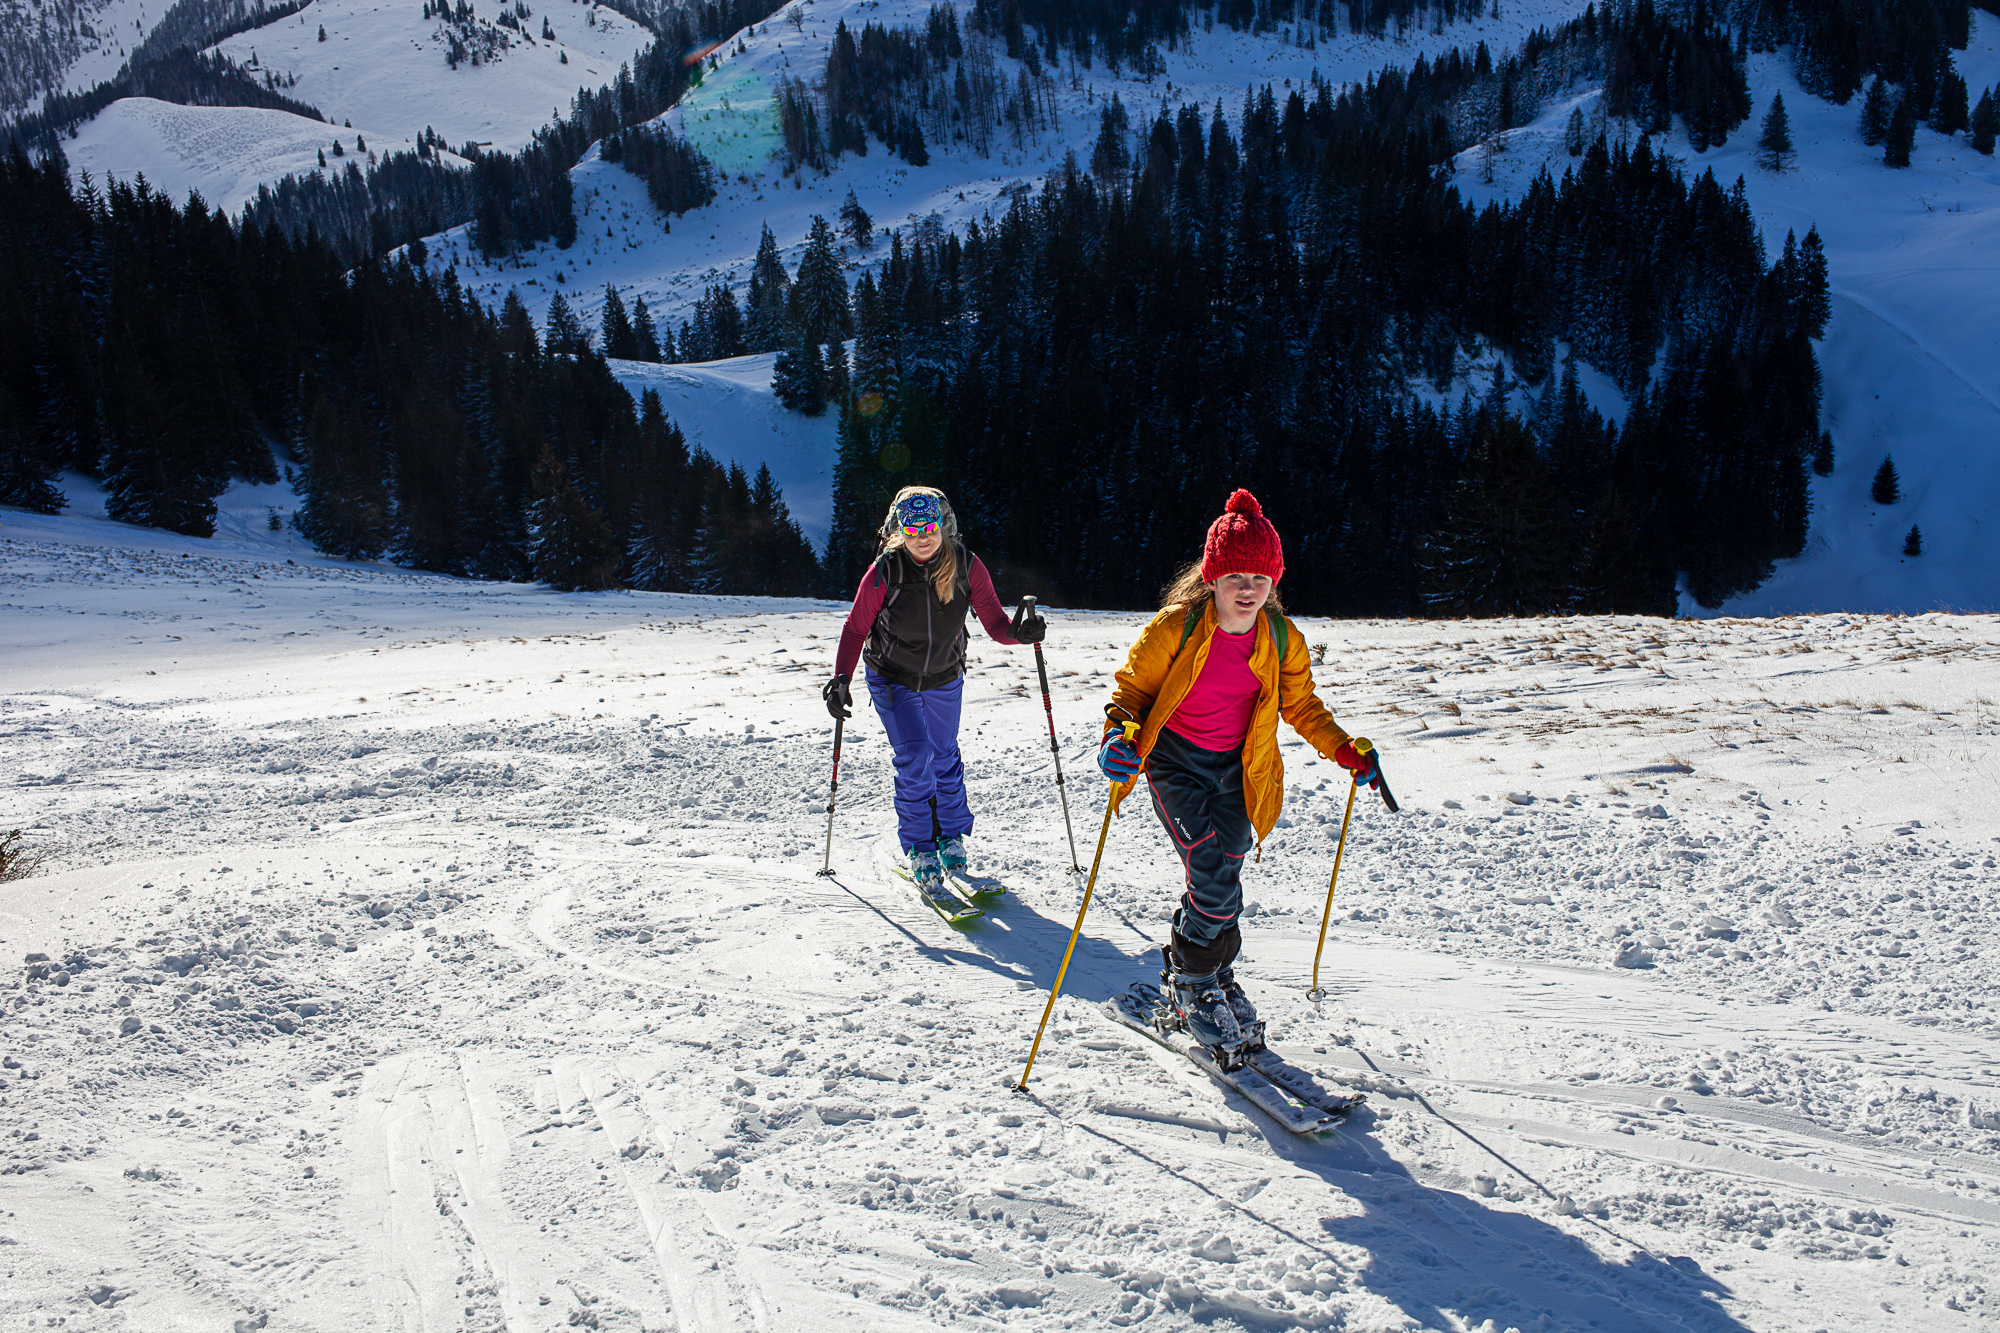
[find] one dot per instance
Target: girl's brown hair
(1188, 589)
(944, 565)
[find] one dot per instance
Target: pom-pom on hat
(1242, 541)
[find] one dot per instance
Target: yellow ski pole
(1131, 730)
(1316, 994)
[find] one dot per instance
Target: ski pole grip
(1365, 746)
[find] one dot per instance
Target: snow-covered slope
(224, 152)
(385, 65)
(428, 953)
(727, 408)
(1912, 357)
(624, 241)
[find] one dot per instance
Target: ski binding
(1275, 1086)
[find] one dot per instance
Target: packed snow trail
(431, 954)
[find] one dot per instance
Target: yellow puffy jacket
(1161, 669)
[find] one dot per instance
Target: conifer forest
(1291, 293)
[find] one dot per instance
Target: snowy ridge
(494, 913)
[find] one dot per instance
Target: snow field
(224, 153)
(474, 959)
(386, 65)
(727, 408)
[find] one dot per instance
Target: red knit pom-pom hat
(1242, 541)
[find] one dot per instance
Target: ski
(950, 907)
(1276, 1087)
(976, 888)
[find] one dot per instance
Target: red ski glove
(1357, 756)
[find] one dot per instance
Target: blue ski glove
(1117, 758)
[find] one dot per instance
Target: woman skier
(908, 621)
(1207, 681)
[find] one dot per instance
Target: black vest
(918, 641)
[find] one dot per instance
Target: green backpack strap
(1281, 633)
(1188, 625)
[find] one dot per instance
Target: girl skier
(1207, 682)
(909, 615)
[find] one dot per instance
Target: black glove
(1028, 628)
(839, 702)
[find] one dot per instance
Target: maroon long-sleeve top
(873, 593)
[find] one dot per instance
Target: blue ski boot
(951, 854)
(928, 874)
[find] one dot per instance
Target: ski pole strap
(1381, 782)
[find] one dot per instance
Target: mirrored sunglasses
(920, 529)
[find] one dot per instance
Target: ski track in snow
(479, 978)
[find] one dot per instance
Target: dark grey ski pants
(1198, 795)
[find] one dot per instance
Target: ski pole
(832, 794)
(1110, 806)
(1316, 994)
(1049, 708)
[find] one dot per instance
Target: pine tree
(657, 552)
(818, 305)
(1497, 554)
(570, 546)
(345, 508)
(1902, 136)
(799, 379)
(1875, 113)
(1985, 124)
(1575, 136)
(1822, 460)
(1111, 158)
(1888, 489)
(1949, 113)
(854, 220)
(1774, 144)
(1913, 544)
(645, 339)
(562, 331)
(620, 338)
(765, 322)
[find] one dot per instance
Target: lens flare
(895, 456)
(868, 404)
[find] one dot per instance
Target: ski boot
(951, 854)
(1197, 1006)
(928, 873)
(1247, 1021)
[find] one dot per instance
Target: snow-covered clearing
(476, 976)
(385, 64)
(727, 408)
(222, 152)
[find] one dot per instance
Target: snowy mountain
(1905, 373)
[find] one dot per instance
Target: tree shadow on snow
(1435, 1250)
